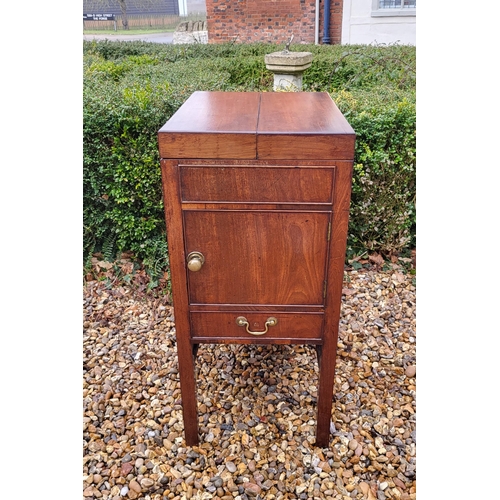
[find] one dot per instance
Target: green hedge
(382, 215)
(131, 89)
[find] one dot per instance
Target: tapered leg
(185, 351)
(195, 350)
(326, 362)
(188, 390)
(318, 355)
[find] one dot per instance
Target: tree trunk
(123, 8)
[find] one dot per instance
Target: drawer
(256, 184)
(287, 327)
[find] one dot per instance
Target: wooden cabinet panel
(256, 184)
(257, 257)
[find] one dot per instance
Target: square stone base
(289, 83)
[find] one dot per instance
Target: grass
(128, 32)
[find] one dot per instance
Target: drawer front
(256, 184)
(256, 327)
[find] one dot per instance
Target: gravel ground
(257, 404)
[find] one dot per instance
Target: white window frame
(398, 12)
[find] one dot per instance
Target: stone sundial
(288, 67)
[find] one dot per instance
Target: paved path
(152, 37)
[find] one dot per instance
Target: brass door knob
(195, 261)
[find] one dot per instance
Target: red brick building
(273, 21)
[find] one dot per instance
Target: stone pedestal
(288, 68)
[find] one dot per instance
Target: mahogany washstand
(256, 192)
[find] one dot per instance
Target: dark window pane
(397, 4)
(389, 4)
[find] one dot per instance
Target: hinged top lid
(251, 125)
(212, 125)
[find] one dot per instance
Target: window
(397, 4)
(387, 8)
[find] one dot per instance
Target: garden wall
(271, 21)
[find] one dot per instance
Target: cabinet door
(257, 257)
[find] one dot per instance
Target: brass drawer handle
(242, 321)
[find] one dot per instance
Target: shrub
(132, 88)
(382, 215)
(361, 67)
(126, 101)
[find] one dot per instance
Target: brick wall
(273, 21)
